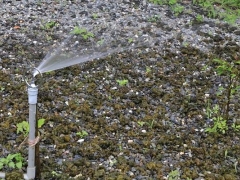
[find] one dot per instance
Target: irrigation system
(53, 61)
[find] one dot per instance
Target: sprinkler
(32, 139)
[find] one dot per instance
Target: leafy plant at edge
(23, 127)
(12, 161)
(231, 72)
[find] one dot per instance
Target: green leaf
(1, 165)
(11, 165)
(3, 161)
(11, 156)
(19, 157)
(41, 122)
(19, 165)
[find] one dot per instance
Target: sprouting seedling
(83, 32)
(94, 16)
(23, 127)
(100, 42)
(122, 82)
(141, 123)
(130, 40)
(199, 18)
(174, 175)
(148, 70)
(82, 134)
(50, 24)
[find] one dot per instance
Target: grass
(227, 10)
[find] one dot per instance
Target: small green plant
(82, 134)
(199, 18)
(50, 24)
(130, 40)
(94, 16)
(150, 125)
(185, 44)
(205, 67)
(174, 175)
(83, 32)
(177, 9)
(23, 127)
(220, 124)
(122, 82)
(172, 2)
(12, 161)
(55, 174)
(148, 70)
(232, 74)
(154, 18)
(100, 42)
(141, 123)
(2, 89)
(236, 127)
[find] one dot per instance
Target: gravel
(142, 130)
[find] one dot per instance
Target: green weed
(232, 74)
(220, 116)
(50, 24)
(83, 32)
(23, 127)
(220, 124)
(153, 18)
(174, 175)
(177, 9)
(199, 18)
(122, 82)
(12, 161)
(82, 134)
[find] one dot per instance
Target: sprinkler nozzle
(31, 82)
(36, 72)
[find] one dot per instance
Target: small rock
(130, 141)
(80, 141)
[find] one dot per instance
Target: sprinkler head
(36, 72)
(32, 79)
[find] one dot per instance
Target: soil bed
(144, 129)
